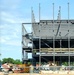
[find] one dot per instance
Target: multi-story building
(51, 40)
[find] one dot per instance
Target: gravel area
(33, 74)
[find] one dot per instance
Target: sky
(15, 12)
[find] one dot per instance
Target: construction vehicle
(24, 68)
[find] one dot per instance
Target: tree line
(10, 60)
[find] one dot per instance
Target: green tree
(7, 60)
(11, 60)
(0, 61)
(17, 61)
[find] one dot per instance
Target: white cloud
(11, 21)
(8, 20)
(6, 17)
(1, 27)
(11, 29)
(2, 40)
(14, 43)
(12, 18)
(10, 35)
(5, 14)
(8, 41)
(10, 4)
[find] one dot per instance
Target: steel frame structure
(40, 36)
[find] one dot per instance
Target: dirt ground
(19, 74)
(31, 74)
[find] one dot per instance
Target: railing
(56, 50)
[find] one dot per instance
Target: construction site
(50, 44)
(52, 41)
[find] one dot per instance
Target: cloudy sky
(14, 12)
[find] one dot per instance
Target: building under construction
(51, 40)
